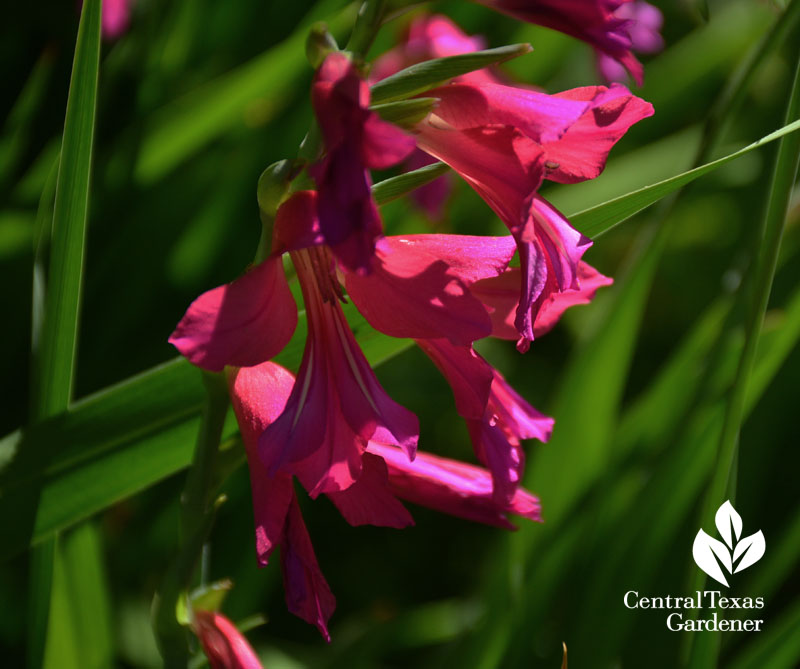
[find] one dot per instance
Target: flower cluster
(332, 426)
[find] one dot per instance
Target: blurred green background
(194, 101)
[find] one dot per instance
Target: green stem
(197, 516)
(368, 22)
(760, 281)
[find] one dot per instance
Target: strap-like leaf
(405, 113)
(602, 217)
(431, 73)
(395, 187)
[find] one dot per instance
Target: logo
(735, 554)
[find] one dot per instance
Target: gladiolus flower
(504, 142)
(356, 140)
(607, 25)
(644, 23)
(224, 645)
(337, 404)
(259, 395)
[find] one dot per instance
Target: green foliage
(193, 103)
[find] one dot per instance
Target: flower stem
(198, 509)
(368, 22)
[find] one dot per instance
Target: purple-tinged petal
(515, 416)
(307, 593)
(501, 295)
(242, 323)
(369, 501)
(296, 223)
(453, 487)
(419, 285)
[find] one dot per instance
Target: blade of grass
(760, 283)
(603, 217)
(53, 366)
(431, 73)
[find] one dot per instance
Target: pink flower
(224, 646)
(504, 141)
(259, 395)
(116, 17)
(644, 23)
(337, 404)
(356, 140)
(605, 24)
(429, 37)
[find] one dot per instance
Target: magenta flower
(356, 140)
(116, 17)
(504, 141)
(337, 404)
(603, 24)
(259, 395)
(224, 645)
(644, 23)
(429, 37)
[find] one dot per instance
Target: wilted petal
(369, 501)
(242, 323)
(419, 286)
(453, 487)
(224, 645)
(307, 593)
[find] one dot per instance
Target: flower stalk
(198, 509)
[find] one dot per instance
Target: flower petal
(419, 286)
(582, 151)
(224, 645)
(453, 487)
(242, 323)
(369, 501)
(308, 595)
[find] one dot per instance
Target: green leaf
(603, 217)
(59, 332)
(405, 113)
(395, 187)
(115, 443)
(431, 73)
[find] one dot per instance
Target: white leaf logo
(710, 553)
